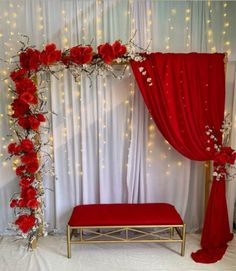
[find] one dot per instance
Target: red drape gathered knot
(185, 93)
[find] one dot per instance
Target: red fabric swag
(185, 93)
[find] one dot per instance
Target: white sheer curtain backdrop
(106, 146)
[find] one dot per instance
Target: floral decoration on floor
(29, 112)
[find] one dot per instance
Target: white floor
(51, 255)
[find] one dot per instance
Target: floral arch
(163, 95)
(29, 112)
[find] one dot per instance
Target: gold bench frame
(155, 236)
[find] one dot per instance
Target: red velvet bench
(144, 222)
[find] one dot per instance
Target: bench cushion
(125, 215)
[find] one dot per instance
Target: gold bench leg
(183, 240)
(68, 242)
(171, 232)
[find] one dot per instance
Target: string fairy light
(187, 28)
(225, 32)
(99, 32)
(210, 33)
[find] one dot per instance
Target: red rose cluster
(26, 96)
(110, 52)
(84, 54)
(50, 55)
(31, 59)
(25, 222)
(26, 171)
(225, 155)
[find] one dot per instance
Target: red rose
(25, 222)
(24, 122)
(32, 166)
(20, 170)
(50, 55)
(118, 49)
(31, 193)
(81, 54)
(18, 74)
(25, 182)
(13, 203)
(21, 203)
(25, 85)
(33, 122)
(29, 59)
(27, 97)
(41, 117)
(13, 149)
(20, 108)
(28, 157)
(26, 145)
(32, 203)
(106, 52)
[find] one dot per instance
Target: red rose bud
(18, 74)
(25, 222)
(29, 59)
(26, 145)
(21, 203)
(13, 203)
(41, 117)
(13, 149)
(33, 204)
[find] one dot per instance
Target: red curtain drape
(185, 94)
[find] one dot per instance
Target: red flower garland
(26, 115)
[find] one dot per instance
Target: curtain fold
(185, 94)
